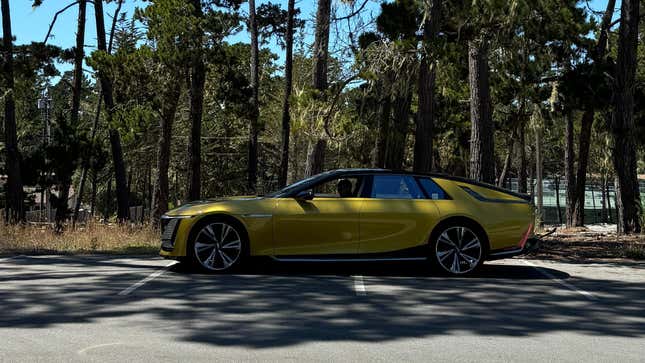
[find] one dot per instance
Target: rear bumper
(531, 245)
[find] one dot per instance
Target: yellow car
(356, 215)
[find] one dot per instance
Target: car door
(398, 214)
(327, 224)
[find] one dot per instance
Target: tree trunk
(603, 201)
(147, 190)
(383, 132)
(78, 198)
(316, 157)
(395, 151)
(197, 79)
(501, 181)
(196, 96)
(531, 178)
(593, 200)
(129, 187)
(316, 153)
(88, 156)
(175, 187)
(79, 54)
(556, 181)
(77, 88)
(62, 208)
(76, 100)
(587, 124)
(568, 169)
(482, 151)
(108, 198)
(605, 24)
(120, 177)
(622, 123)
(610, 216)
(425, 119)
(521, 177)
(502, 175)
(168, 109)
(288, 80)
(538, 174)
(86, 161)
(321, 45)
(93, 198)
(255, 104)
(581, 175)
(426, 112)
(14, 209)
(122, 196)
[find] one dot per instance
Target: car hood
(199, 206)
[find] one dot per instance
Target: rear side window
(432, 189)
(395, 187)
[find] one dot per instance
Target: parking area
(117, 308)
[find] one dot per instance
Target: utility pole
(44, 104)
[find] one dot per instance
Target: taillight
(525, 237)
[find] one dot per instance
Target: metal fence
(594, 199)
(138, 214)
(41, 216)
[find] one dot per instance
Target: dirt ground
(590, 244)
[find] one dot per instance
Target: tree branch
(360, 8)
(51, 26)
(595, 12)
(333, 104)
(617, 21)
(614, 23)
(116, 14)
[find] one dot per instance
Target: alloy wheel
(458, 250)
(218, 246)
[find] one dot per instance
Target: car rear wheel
(218, 246)
(457, 250)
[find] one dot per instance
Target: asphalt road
(114, 308)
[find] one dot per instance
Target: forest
(166, 105)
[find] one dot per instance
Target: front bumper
(531, 245)
(174, 235)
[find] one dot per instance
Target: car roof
(432, 175)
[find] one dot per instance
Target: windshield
(297, 185)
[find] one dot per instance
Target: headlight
(176, 217)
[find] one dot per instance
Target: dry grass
(635, 251)
(88, 239)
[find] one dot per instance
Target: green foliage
(272, 22)
(64, 152)
(539, 59)
(399, 20)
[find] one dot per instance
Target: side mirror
(305, 195)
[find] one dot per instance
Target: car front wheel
(218, 246)
(458, 250)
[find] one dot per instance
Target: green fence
(594, 199)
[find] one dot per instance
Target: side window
(395, 187)
(348, 187)
(432, 189)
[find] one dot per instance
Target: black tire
(457, 248)
(217, 255)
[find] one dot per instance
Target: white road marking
(11, 258)
(359, 286)
(149, 278)
(586, 294)
(84, 350)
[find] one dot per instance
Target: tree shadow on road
(277, 305)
